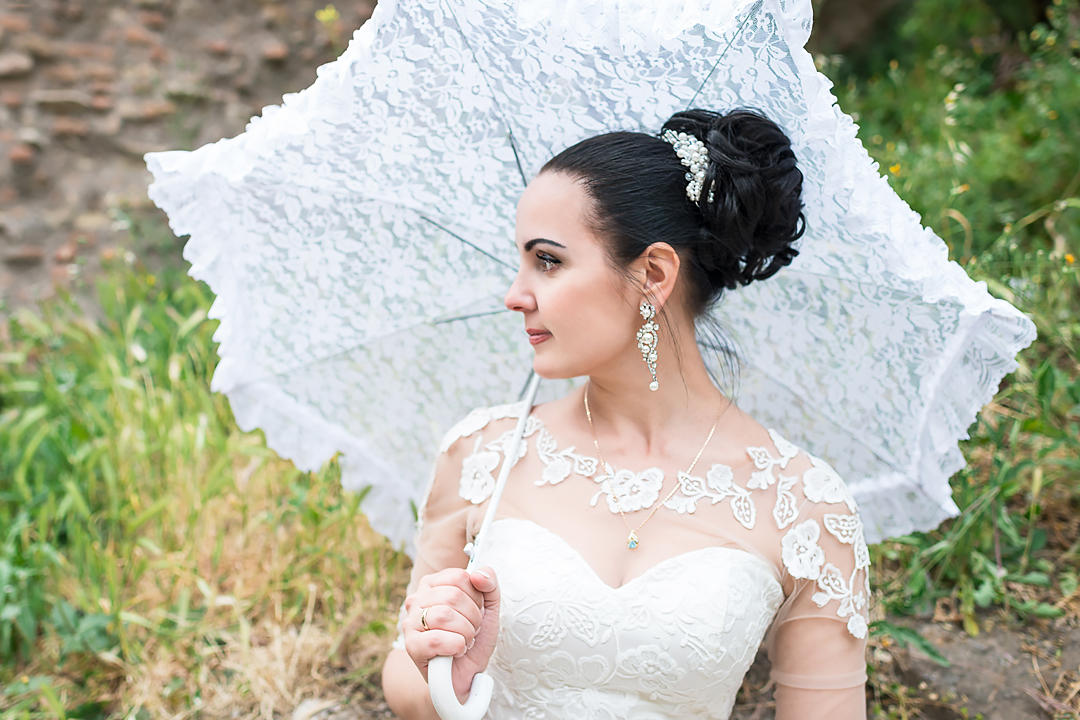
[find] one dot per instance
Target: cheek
(592, 313)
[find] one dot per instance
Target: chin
(549, 370)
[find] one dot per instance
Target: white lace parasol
(359, 239)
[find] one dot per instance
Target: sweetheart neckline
(559, 539)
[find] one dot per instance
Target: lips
(537, 336)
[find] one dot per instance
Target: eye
(547, 262)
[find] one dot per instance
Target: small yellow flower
(895, 169)
(25, 679)
(1069, 258)
(960, 189)
(893, 64)
(890, 146)
(1053, 115)
(328, 15)
(151, 280)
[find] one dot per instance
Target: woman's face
(579, 312)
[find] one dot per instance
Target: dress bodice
(763, 550)
(572, 646)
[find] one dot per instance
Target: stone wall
(88, 86)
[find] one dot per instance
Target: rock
(24, 256)
(73, 12)
(65, 126)
(22, 154)
(275, 51)
(152, 19)
(99, 72)
(92, 222)
(15, 64)
(39, 46)
(83, 50)
(101, 103)
(187, 89)
(32, 136)
(14, 23)
(218, 47)
(63, 73)
(145, 111)
(66, 253)
(61, 101)
(142, 78)
(227, 69)
(138, 35)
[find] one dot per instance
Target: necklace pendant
(631, 540)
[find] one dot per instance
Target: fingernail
(481, 572)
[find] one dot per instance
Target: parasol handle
(440, 678)
(445, 699)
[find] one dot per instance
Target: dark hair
(747, 232)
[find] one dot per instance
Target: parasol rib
(738, 31)
(494, 97)
(474, 246)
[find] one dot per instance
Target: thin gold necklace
(632, 540)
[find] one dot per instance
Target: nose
(519, 298)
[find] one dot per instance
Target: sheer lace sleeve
(817, 642)
(442, 517)
(461, 479)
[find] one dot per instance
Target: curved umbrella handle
(445, 699)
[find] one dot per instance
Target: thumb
(483, 579)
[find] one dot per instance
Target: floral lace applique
(801, 551)
(719, 485)
(477, 480)
(627, 490)
(559, 464)
(804, 558)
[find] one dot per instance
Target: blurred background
(157, 562)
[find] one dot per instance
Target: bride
(652, 535)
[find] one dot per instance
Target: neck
(623, 406)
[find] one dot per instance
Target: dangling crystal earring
(646, 341)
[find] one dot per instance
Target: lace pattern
(289, 220)
(801, 552)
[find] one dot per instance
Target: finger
(458, 577)
(484, 580)
(442, 617)
(452, 596)
(423, 646)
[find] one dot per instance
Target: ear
(656, 270)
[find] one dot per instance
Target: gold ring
(423, 618)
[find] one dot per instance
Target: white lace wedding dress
(762, 546)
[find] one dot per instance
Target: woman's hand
(462, 614)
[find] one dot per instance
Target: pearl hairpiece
(693, 154)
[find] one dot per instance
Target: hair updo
(638, 187)
(747, 232)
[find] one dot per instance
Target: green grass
(148, 545)
(155, 560)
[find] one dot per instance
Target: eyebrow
(536, 241)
